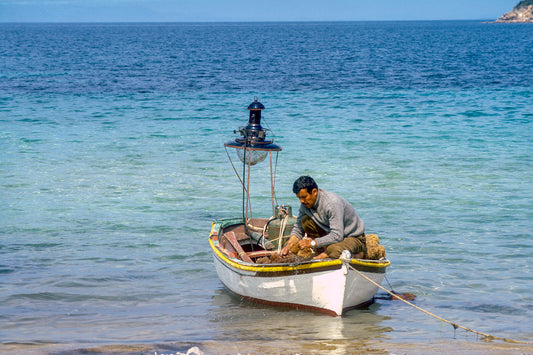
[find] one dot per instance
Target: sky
(249, 10)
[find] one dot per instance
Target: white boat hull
(331, 286)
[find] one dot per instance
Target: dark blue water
(163, 58)
(112, 169)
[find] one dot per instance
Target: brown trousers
(353, 244)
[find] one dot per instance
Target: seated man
(329, 222)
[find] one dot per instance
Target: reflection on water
(310, 331)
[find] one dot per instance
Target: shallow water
(109, 186)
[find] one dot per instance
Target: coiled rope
(454, 325)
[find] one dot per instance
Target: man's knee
(353, 244)
(311, 228)
(334, 251)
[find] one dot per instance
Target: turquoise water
(108, 195)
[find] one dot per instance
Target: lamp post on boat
(253, 147)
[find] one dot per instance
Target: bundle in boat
(374, 251)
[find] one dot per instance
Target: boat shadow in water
(237, 319)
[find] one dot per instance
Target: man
(329, 222)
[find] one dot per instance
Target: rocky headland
(522, 12)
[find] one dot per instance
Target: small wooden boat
(328, 286)
(240, 245)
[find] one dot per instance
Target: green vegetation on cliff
(523, 3)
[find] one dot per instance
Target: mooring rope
(454, 325)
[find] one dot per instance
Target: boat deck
(231, 238)
(234, 241)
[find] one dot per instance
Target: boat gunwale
(368, 265)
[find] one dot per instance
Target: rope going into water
(454, 325)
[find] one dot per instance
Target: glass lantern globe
(251, 157)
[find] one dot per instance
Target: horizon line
(237, 21)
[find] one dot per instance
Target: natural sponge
(374, 251)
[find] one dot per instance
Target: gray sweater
(334, 215)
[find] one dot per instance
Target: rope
(233, 166)
(282, 231)
(454, 325)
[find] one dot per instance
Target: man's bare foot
(321, 256)
(359, 255)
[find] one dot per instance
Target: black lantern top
(253, 136)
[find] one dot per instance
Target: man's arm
(335, 214)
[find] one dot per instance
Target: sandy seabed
(447, 346)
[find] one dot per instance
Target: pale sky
(249, 10)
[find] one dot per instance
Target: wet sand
(448, 346)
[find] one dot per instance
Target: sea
(113, 168)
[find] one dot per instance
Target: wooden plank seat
(231, 247)
(260, 253)
(230, 236)
(240, 231)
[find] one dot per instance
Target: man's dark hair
(304, 182)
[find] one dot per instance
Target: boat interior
(251, 242)
(260, 241)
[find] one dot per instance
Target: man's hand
(293, 240)
(305, 243)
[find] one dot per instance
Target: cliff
(522, 12)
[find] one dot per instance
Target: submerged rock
(521, 13)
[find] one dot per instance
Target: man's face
(307, 199)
